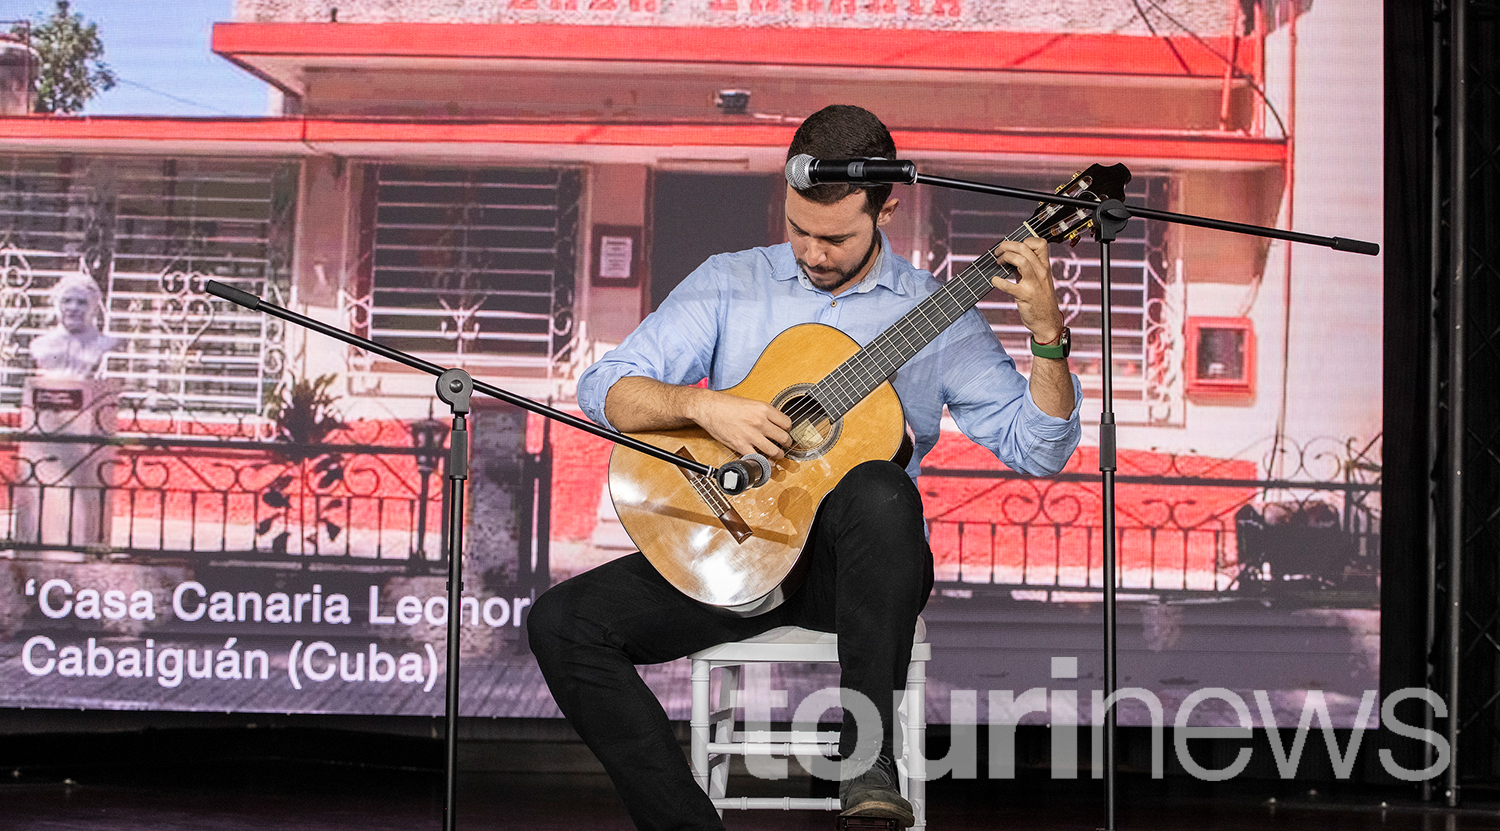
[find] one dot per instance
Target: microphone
(748, 471)
(803, 171)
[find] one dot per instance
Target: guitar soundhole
(812, 431)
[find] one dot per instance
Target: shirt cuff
(594, 387)
(1050, 427)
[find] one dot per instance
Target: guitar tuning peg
(1064, 186)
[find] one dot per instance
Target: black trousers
(868, 578)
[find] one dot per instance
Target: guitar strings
(884, 345)
(846, 391)
(883, 348)
(886, 350)
(846, 380)
(710, 495)
(886, 340)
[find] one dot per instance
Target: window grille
(475, 267)
(967, 224)
(42, 226)
(151, 232)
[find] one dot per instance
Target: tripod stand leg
(1107, 464)
(455, 527)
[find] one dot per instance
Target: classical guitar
(743, 553)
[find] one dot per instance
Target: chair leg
(698, 726)
(914, 746)
(729, 685)
(720, 724)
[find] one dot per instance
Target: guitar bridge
(716, 501)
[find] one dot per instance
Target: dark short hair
(843, 131)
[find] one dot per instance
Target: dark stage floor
(120, 786)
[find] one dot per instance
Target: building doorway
(697, 215)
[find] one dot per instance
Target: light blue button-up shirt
(716, 323)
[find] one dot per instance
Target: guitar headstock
(1062, 223)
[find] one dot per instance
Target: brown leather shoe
(876, 793)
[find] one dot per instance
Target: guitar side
(747, 558)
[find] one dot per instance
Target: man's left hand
(1036, 297)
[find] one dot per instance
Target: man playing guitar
(867, 567)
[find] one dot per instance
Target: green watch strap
(1056, 349)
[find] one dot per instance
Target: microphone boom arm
(1336, 243)
(804, 171)
(256, 304)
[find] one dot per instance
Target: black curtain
(1408, 329)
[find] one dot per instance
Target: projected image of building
(512, 190)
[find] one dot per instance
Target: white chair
(717, 734)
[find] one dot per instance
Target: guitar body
(745, 560)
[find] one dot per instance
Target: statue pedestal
(60, 496)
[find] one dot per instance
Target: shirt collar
(882, 273)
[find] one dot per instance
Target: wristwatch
(1058, 348)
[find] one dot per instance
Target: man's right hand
(637, 404)
(744, 425)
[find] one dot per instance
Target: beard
(833, 279)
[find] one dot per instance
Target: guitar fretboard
(857, 377)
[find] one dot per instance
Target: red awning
(761, 143)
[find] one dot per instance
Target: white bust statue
(74, 347)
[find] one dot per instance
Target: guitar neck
(857, 377)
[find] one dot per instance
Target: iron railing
(1186, 524)
(369, 497)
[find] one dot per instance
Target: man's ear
(887, 211)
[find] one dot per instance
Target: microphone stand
(1110, 217)
(455, 387)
